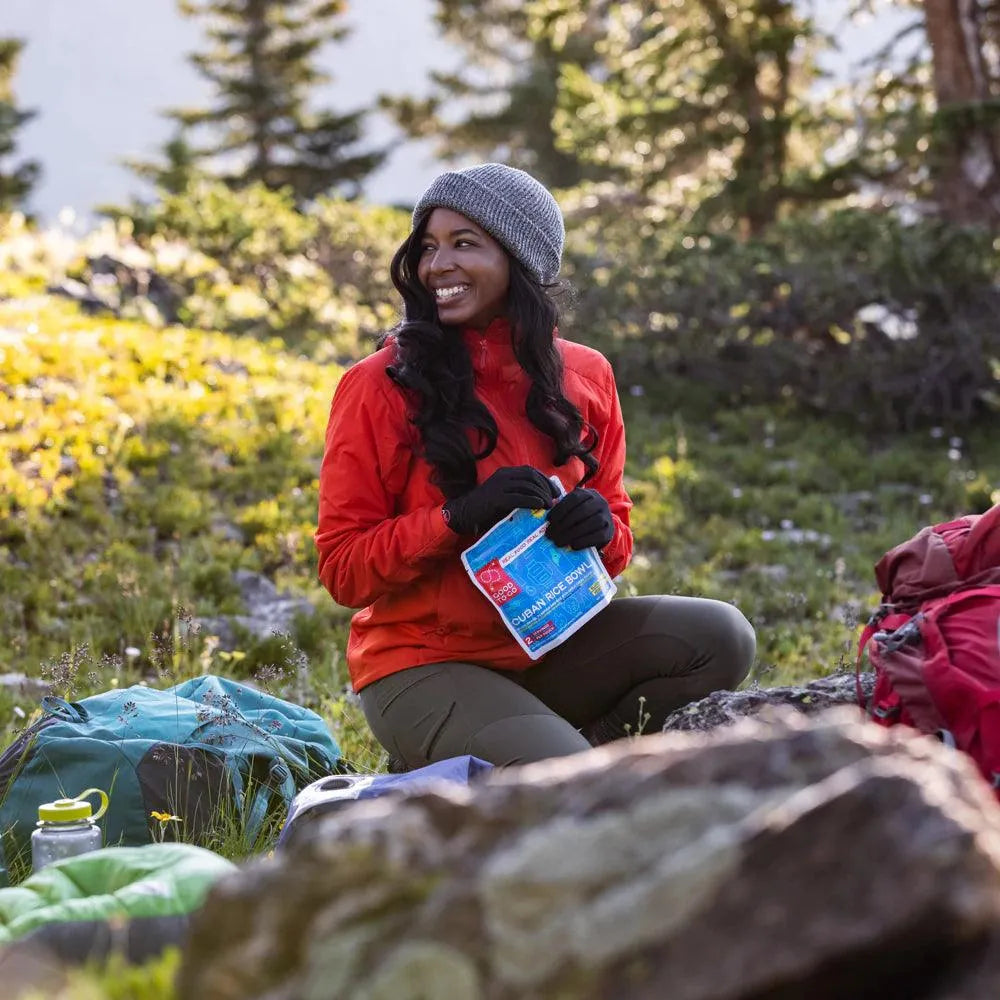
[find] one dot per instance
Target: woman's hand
(581, 519)
(507, 489)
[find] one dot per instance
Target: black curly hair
(433, 366)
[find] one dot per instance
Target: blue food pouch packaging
(543, 593)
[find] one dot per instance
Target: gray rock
(123, 283)
(88, 300)
(722, 708)
(225, 529)
(797, 536)
(268, 612)
(854, 502)
(22, 686)
(776, 573)
(784, 858)
(29, 970)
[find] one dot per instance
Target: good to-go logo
(497, 583)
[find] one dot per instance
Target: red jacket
(382, 541)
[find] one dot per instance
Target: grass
(140, 467)
(785, 516)
(115, 980)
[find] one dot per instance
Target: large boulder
(778, 858)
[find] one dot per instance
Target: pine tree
(16, 182)
(261, 65)
(178, 167)
(702, 106)
(500, 105)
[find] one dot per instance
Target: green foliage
(705, 109)
(178, 169)
(891, 324)
(116, 979)
(500, 104)
(719, 115)
(250, 262)
(130, 457)
(356, 741)
(260, 65)
(139, 468)
(785, 516)
(15, 182)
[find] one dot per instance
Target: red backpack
(935, 638)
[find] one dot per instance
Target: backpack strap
(858, 690)
(871, 627)
(906, 611)
(964, 685)
(253, 795)
(68, 711)
(255, 799)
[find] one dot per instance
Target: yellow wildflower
(164, 817)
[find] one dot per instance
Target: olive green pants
(624, 671)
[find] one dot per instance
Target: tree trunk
(261, 115)
(964, 158)
(761, 67)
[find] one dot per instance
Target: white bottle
(65, 828)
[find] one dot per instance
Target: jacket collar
(492, 353)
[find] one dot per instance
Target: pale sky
(99, 72)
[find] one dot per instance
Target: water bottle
(65, 828)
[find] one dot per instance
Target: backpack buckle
(905, 635)
(886, 711)
(879, 613)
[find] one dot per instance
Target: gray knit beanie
(514, 208)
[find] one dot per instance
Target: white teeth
(443, 294)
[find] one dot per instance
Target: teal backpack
(184, 753)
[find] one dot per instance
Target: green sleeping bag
(155, 886)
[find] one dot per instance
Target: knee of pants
(735, 644)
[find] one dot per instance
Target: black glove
(581, 519)
(513, 486)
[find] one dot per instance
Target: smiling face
(464, 268)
